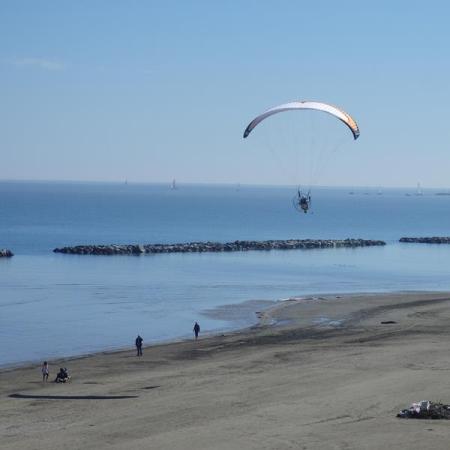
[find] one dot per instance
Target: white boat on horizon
(419, 190)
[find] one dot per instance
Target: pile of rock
(426, 240)
(201, 247)
(425, 410)
(5, 253)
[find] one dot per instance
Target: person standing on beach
(196, 330)
(45, 371)
(139, 341)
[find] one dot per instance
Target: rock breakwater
(5, 253)
(202, 247)
(426, 240)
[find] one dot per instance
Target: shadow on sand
(73, 397)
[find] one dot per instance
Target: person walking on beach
(139, 341)
(196, 330)
(45, 371)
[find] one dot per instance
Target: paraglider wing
(336, 112)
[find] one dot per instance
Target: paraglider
(302, 201)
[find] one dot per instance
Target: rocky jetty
(426, 240)
(201, 247)
(5, 253)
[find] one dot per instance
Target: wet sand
(328, 376)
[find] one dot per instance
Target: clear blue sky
(150, 91)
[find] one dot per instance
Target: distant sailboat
(173, 186)
(419, 190)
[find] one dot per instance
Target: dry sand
(334, 384)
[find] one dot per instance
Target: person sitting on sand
(45, 371)
(62, 376)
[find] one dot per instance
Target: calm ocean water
(54, 305)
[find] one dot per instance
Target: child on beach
(45, 371)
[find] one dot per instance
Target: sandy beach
(327, 375)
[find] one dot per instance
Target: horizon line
(208, 183)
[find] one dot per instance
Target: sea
(55, 305)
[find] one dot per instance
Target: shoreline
(262, 318)
(229, 330)
(268, 317)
